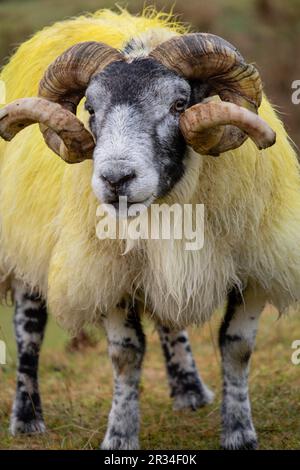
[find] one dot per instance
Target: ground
(76, 390)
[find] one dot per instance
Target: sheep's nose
(115, 181)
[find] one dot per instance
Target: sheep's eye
(179, 106)
(90, 110)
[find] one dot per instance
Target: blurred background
(76, 391)
(266, 31)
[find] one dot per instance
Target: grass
(77, 389)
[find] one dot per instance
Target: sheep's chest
(179, 286)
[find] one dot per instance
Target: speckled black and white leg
(186, 386)
(126, 345)
(237, 339)
(29, 321)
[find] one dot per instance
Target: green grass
(77, 389)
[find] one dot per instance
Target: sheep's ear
(63, 132)
(200, 90)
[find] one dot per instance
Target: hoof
(120, 443)
(35, 426)
(193, 400)
(240, 440)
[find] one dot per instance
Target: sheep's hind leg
(237, 338)
(29, 321)
(126, 345)
(186, 386)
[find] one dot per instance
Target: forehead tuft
(128, 81)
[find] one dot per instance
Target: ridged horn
(65, 82)
(67, 78)
(206, 125)
(201, 56)
(61, 89)
(69, 138)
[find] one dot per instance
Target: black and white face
(134, 116)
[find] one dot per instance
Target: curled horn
(64, 133)
(61, 89)
(200, 56)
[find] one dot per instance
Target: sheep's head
(192, 90)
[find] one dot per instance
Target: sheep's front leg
(237, 338)
(29, 321)
(186, 386)
(126, 345)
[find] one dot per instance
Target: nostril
(126, 178)
(116, 180)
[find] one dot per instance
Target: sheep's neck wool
(48, 211)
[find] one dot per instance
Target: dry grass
(76, 390)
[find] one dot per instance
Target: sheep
(161, 104)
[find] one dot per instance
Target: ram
(162, 103)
